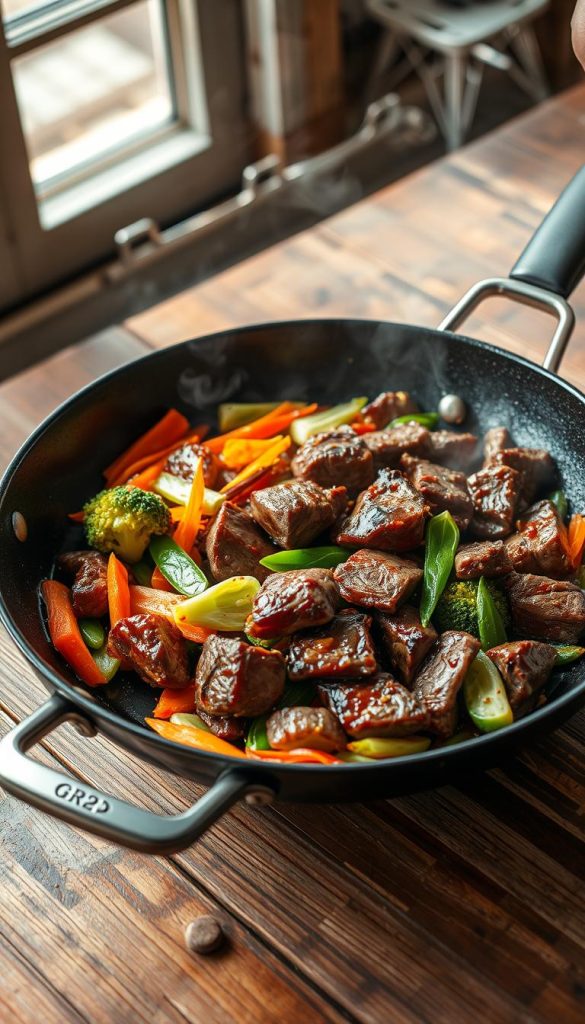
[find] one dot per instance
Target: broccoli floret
(123, 519)
(457, 606)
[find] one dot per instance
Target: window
(113, 110)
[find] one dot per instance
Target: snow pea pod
(107, 665)
(441, 541)
(491, 628)
(565, 655)
(177, 567)
(306, 558)
(93, 633)
(426, 419)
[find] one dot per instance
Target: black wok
(322, 360)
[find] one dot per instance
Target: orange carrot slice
(192, 737)
(188, 528)
(175, 702)
(65, 634)
(170, 429)
(118, 590)
(279, 445)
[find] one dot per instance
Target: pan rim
(156, 742)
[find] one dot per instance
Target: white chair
(440, 41)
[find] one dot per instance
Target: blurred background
(146, 144)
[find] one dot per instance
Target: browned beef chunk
(183, 463)
(227, 727)
(335, 457)
(388, 406)
(458, 451)
(440, 678)
(389, 515)
(316, 728)
(153, 647)
(234, 678)
(342, 648)
(388, 446)
(538, 546)
(485, 558)
(405, 640)
(380, 707)
(442, 488)
(494, 492)
(289, 601)
(495, 440)
(537, 470)
(525, 666)
(377, 579)
(89, 592)
(546, 609)
(295, 512)
(235, 544)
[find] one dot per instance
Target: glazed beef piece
(380, 707)
(183, 463)
(485, 558)
(538, 546)
(89, 592)
(389, 516)
(235, 678)
(153, 647)
(317, 728)
(343, 648)
(494, 492)
(537, 470)
(227, 727)
(545, 609)
(440, 678)
(525, 666)
(335, 457)
(388, 406)
(442, 488)
(295, 512)
(495, 440)
(290, 601)
(457, 451)
(377, 579)
(388, 446)
(405, 640)
(235, 544)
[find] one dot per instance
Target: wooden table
(460, 904)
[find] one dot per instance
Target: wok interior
(323, 361)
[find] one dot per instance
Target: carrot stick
(175, 702)
(147, 600)
(65, 635)
(162, 455)
(302, 755)
(263, 461)
(77, 517)
(192, 737)
(188, 528)
(159, 582)
(118, 590)
(266, 426)
(146, 478)
(171, 428)
(239, 451)
(576, 539)
(198, 634)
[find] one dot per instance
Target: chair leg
(526, 48)
(455, 73)
(388, 49)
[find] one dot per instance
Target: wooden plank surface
(439, 907)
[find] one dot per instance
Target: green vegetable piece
(123, 519)
(174, 489)
(442, 538)
(306, 558)
(426, 419)
(485, 695)
(236, 414)
(177, 567)
(492, 632)
(559, 500)
(351, 758)
(225, 606)
(107, 665)
(180, 718)
(257, 642)
(376, 747)
(93, 633)
(143, 572)
(457, 606)
(565, 655)
(257, 738)
(304, 428)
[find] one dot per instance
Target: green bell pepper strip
(177, 567)
(93, 633)
(304, 428)
(306, 558)
(565, 655)
(441, 541)
(376, 747)
(491, 628)
(107, 665)
(559, 500)
(295, 695)
(485, 695)
(143, 572)
(426, 419)
(181, 718)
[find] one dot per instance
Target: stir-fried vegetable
(123, 519)
(559, 500)
(193, 721)
(457, 606)
(237, 414)
(174, 701)
(93, 633)
(377, 747)
(302, 429)
(426, 419)
(442, 538)
(492, 632)
(485, 695)
(149, 601)
(107, 665)
(173, 488)
(239, 452)
(302, 755)
(188, 528)
(191, 737)
(273, 423)
(118, 590)
(263, 461)
(576, 539)
(142, 572)
(170, 429)
(177, 567)
(143, 465)
(225, 606)
(65, 635)
(566, 655)
(306, 558)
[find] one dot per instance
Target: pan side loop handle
(106, 816)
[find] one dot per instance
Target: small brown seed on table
(204, 935)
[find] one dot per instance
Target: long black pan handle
(548, 270)
(82, 805)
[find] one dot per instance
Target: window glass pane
(93, 92)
